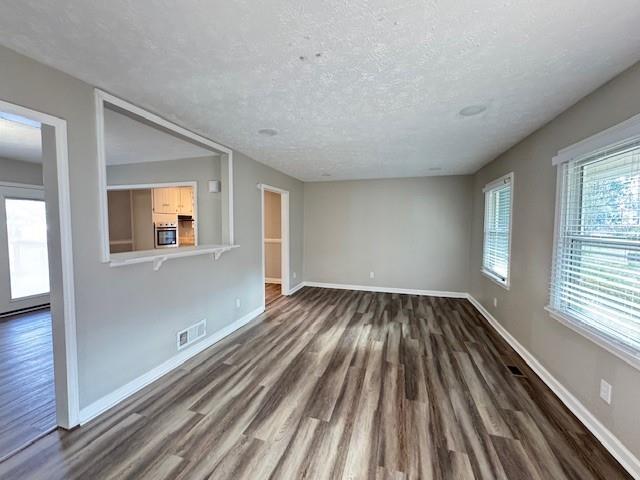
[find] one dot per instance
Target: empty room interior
(320, 240)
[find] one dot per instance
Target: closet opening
(275, 243)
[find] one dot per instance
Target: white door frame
(284, 235)
(65, 372)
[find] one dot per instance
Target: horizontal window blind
(497, 222)
(596, 272)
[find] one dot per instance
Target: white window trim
(591, 334)
(34, 193)
(495, 279)
(618, 135)
(506, 284)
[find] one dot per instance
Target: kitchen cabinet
(185, 205)
(173, 200)
(166, 200)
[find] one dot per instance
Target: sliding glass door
(24, 263)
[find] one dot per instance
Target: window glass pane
(27, 239)
(496, 231)
(611, 196)
(596, 278)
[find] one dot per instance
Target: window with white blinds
(596, 273)
(497, 229)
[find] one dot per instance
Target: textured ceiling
(357, 89)
(20, 142)
(130, 141)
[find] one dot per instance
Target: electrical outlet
(495, 302)
(605, 391)
(294, 275)
(237, 303)
(372, 274)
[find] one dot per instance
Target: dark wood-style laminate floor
(331, 384)
(272, 292)
(27, 397)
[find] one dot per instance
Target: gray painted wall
(15, 171)
(576, 362)
(56, 294)
(412, 232)
(127, 318)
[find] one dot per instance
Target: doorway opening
(37, 321)
(275, 243)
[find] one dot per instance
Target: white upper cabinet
(166, 200)
(173, 200)
(185, 205)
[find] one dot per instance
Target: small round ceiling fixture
(472, 110)
(268, 132)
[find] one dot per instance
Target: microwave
(165, 234)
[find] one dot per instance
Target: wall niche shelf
(157, 258)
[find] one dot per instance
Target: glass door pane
(27, 239)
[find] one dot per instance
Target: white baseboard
(621, 453)
(20, 311)
(112, 399)
(406, 291)
(277, 281)
(296, 288)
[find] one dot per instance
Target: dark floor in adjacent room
(330, 384)
(272, 291)
(27, 396)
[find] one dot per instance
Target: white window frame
(508, 178)
(32, 194)
(624, 133)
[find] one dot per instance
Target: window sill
(158, 257)
(591, 334)
(504, 284)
